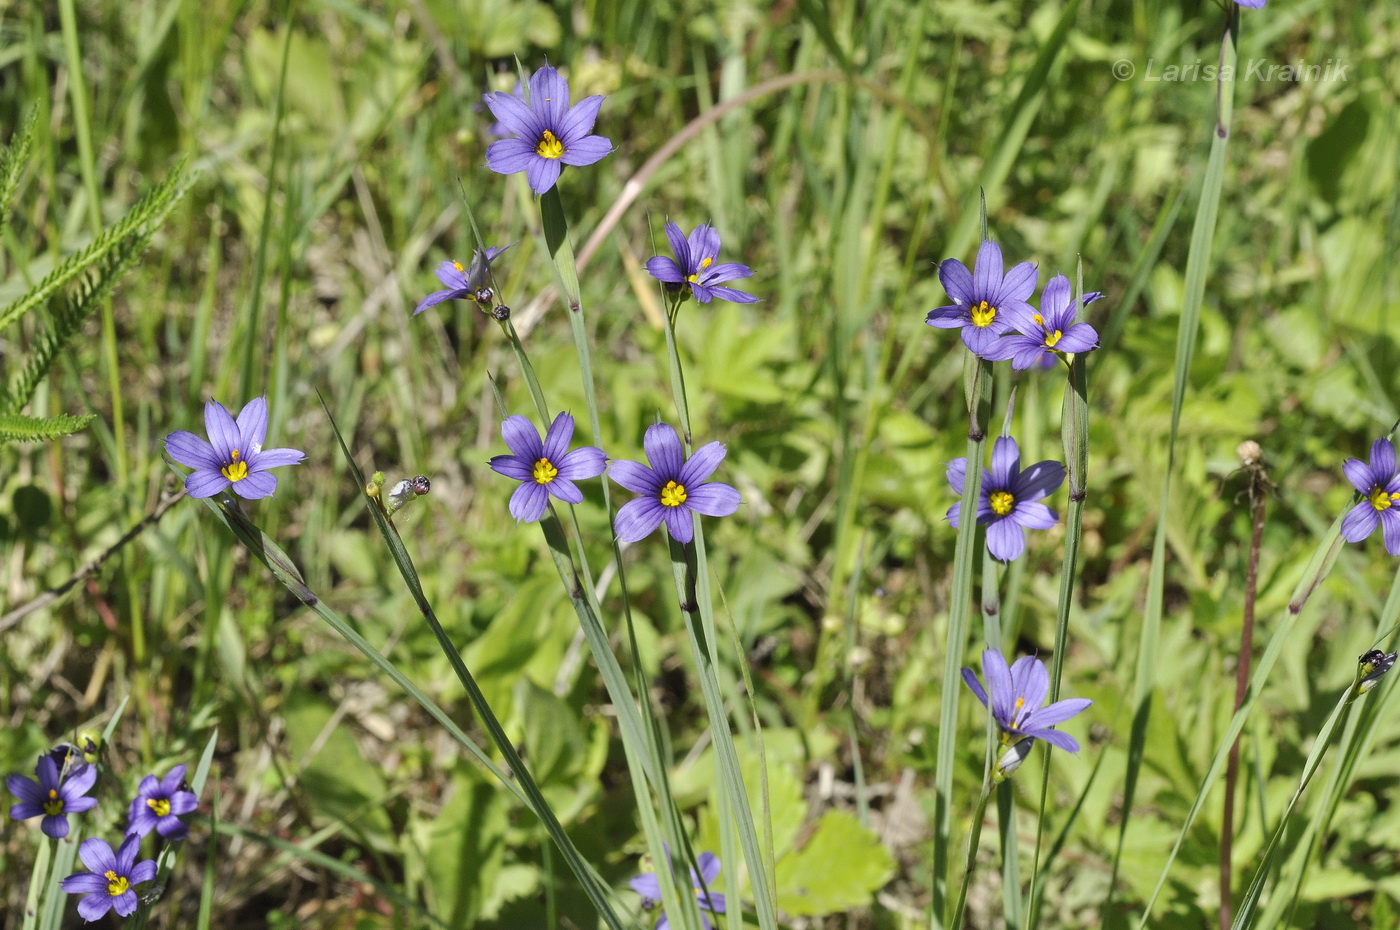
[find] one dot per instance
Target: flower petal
(704, 243)
(664, 269)
(1081, 337)
(528, 502)
(1038, 480)
(957, 475)
(192, 452)
(252, 425)
(275, 458)
(635, 477)
(511, 156)
(638, 519)
(558, 437)
(713, 499)
(26, 789)
(950, 317)
(679, 523)
(664, 451)
(512, 466)
(956, 280)
(583, 462)
(1058, 712)
(1006, 464)
(542, 173)
(702, 465)
(587, 151)
(522, 438)
(681, 247)
(513, 114)
(1390, 530)
(1006, 540)
(986, 273)
(222, 430)
(565, 490)
(971, 678)
(1357, 472)
(1056, 738)
(952, 515)
(84, 883)
(1382, 461)
(206, 483)
(998, 677)
(1360, 522)
(1032, 515)
(577, 124)
(1032, 684)
(255, 487)
(733, 295)
(94, 906)
(143, 871)
(97, 855)
(648, 886)
(437, 297)
(709, 867)
(549, 96)
(1019, 283)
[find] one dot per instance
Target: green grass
(341, 801)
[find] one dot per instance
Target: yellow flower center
(1050, 338)
(1381, 500)
(54, 805)
(983, 314)
(1001, 502)
(550, 146)
(673, 495)
(704, 263)
(457, 265)
(116, 884)
(544, 471)
(236, 469)
(159, 806)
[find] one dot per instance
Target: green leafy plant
(74, 288)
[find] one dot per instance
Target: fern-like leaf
(12, 161)
(19, 428)
(140, 221)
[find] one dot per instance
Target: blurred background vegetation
(292, 265)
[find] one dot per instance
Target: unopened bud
(1011, 760)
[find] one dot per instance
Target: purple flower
(159, 805)
(549, 134)
(544, 468)
(672, 488)
(1052, 330)
(981, 301)
(471, 283)
(109, 885)
(1017, 693)
(234, 455)
(694, 266)
(1379, 484)
(1009, 496)
(1252, 4)
(51, 798)
(711, 902)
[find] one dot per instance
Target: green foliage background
(293, 271)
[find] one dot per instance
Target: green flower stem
(688, 565)
(978, 380)
(974, 839)
(38, 881)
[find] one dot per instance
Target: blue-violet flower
(544, 468)
(672, 488)
(234, 456)
(694, 270)
(710, 902)
(52, 798)
(1379, 484)
(160, 803)
(109, 885)
(1016, 695)
(1008, 502)
(470, 283)
(1051, 330)
(549, 134)
(981, 299)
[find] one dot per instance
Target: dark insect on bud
(420, 485)
(484, 295)
(501, 313)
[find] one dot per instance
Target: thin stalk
(1258, 496)
(974, 839)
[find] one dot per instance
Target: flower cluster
(673, 488)
(1016, 694)
(65, 776)
(996, 320)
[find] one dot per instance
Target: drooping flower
(470, 283)
(694, 270)
(703, 883)
(160, 803)
(51, 797)
(672, 488)
(1051, 330)
(234, 456)
(544, 468)
(1379, 484)
(548, 132)
(109, 886)
(982, 299)
(1016, 695)
(1008, 502)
